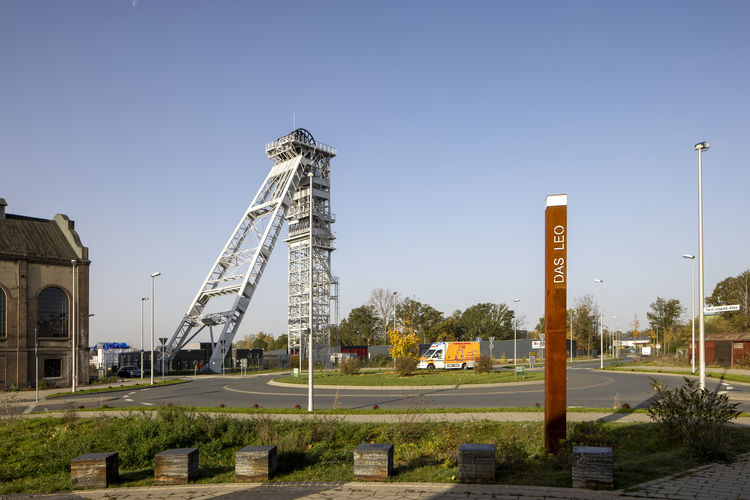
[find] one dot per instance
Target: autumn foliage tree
(404, 348)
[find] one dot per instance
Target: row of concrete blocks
(178, 466)
(372, 462)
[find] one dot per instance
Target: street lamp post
(692, 302)
(612, 336)
(601, 322)
(153, 277)
(74, 262)
(515, 333)
(223, 343)
(143, 299)
(700, 147)
(162, 341)
(311, 275)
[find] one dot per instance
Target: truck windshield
(429, 353)
(438, 354)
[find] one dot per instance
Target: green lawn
(420, 378)
(36, 453)
(678, 370)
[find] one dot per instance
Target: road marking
(147, 404)
(128, 400)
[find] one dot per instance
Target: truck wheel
(463, 366)
(430, 367)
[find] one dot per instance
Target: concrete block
(94, 470)
(373, 461)
(593, 466)
(255, 463)
(476, 463)
(178, 466)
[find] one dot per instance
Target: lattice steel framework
(300, 241)
(225, 294)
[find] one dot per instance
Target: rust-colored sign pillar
(555, 310)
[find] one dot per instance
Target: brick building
(39, 261)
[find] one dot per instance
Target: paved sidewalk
(714, 482)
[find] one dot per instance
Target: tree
(665, 314)
(586, 323)
(449, 329)
(282, 342)
(487, 320)
(361, 327)
(423, 318)
(404, 341)
(383, 302)
(734, 290)
(663, 319)
(540, 327)
(262, 341)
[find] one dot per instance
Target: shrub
(695, 417)
(350, 366)
(483, 365)
(405, 366)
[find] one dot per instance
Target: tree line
(368, 323)
(667, 324)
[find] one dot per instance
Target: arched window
(52, 313)
(2, 313)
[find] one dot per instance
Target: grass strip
(97, 390)
(422, 378)
(732, 377)
(37, 452)
(359, 411)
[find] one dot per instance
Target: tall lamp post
(310, 348)
(612, 336)
(153, 277)
(515, 333)
(601, 322)
(143, 299)
(692, 301)
(700, 147)
(74, 262)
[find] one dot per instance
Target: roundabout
(587, 387)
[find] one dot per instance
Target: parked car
(129, 371)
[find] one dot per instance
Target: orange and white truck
(450, 355)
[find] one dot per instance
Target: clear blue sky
(145, 121)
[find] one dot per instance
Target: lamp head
(688, 256)
(701, 146)
(516, 300)
(154, 275)
(597, 280)
(143, 299)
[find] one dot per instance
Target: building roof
(728, 336)
(29, 237)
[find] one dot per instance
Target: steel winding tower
(298, 180)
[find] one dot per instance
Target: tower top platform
(298, 142)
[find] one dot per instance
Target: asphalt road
(587, 387)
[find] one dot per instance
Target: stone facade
(36, 255)
(255, 463)
(178, 466)
(94, 470)
(476, 463)
(593, 467)
(373, 462)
